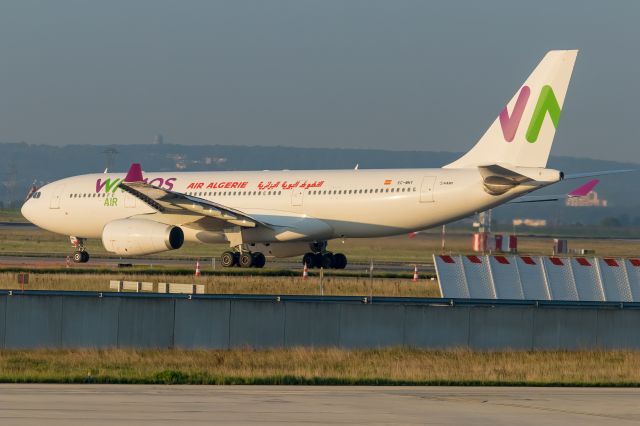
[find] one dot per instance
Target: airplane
(296, 212)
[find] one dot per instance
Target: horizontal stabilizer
(580, 191)
(593, 174)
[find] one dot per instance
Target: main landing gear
(80, 255)
(244, 259)
(325, 260)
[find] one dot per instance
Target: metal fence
(42, 319)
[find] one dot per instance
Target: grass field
(224, 284)
(393, 366)
(7, 215)
(30, 241)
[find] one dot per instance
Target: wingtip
(583, 190)
(134, 174)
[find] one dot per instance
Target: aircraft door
(56, 195)
(427, 189)
(297, 195)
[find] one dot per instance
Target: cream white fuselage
(303, 205)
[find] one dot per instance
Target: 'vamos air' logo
(109, 187)
(547, 103)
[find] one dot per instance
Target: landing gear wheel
(259, 260)
(228, 259)
(339, 261)
(327, 260)
(246, 260)
(309, 260)
(318, 260)
(80, 257)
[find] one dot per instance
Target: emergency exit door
(297, 195)
(427, 189)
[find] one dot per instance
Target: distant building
(534, 223)
(214, 160)
(158, 139)
(589, 200)
(180, 161)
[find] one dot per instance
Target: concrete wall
(87, 320)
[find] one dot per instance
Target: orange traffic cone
(305, 272)
(197, 268)
(415, 273)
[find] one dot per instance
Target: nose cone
(27, 210)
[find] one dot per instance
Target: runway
(150, 405)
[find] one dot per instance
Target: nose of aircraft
(27, 210)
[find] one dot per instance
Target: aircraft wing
(581, 191)
(165, 201)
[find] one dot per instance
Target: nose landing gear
(80, 255)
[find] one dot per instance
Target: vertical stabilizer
(523, 132)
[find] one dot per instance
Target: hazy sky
(360, 74)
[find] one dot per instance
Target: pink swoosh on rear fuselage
(510, 124)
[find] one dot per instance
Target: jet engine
(140, 236)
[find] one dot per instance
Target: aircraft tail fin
(523, 132)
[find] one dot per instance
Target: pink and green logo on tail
(547, 102)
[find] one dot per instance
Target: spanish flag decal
(387, 182)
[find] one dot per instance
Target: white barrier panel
(532, 278)
(506, 279)
(560, 278)
(451, 279)
(181, 288)
(539, 278)
(633, 272)
(479, 282)
(587, 279)
(614, 280)
(136, 286)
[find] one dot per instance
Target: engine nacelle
(139, 236)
